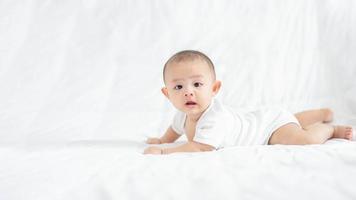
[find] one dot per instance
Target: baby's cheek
(177, 104)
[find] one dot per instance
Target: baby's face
(190, 86)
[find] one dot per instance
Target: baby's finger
(150, 141)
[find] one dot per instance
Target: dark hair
(189, 55)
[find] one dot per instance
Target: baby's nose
(188, 94)
(189, 91)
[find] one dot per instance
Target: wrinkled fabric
(80, 91)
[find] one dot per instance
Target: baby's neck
(194, 117)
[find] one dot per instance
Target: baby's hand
(153, 141)
(153, 150)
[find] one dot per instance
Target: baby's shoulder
(178, 117)
(218, 112)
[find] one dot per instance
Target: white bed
(118, 170)
(80, 92)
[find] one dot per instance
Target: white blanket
(117, 170)
(80, 92)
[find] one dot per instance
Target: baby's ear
(216, 87)
(165, 92)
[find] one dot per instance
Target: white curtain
(92, 70)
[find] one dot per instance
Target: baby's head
(190, 82)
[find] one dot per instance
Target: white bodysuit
(219, 126)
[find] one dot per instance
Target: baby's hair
(189, 55)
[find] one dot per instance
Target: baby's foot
(344, 132)
(328, 115)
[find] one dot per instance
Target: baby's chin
(192, 111)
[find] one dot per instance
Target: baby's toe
(351, 134)
(348, 133)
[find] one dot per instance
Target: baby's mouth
(190, 103)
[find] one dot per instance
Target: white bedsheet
(80, 91)
(117, 170)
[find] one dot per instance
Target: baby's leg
(316, 133)
(310, 117)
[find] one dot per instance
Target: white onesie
(220, 127)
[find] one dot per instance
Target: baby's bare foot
(328, 114)
(344, 132)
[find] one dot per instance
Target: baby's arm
(169, 137)
(187, 147)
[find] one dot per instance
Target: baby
(190, 85)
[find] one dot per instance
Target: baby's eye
(197, 84)
(178, 87)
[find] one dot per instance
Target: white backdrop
(92, 70)
(80, 90)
